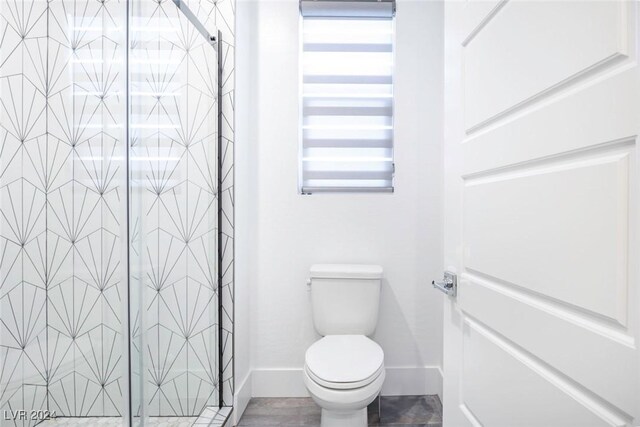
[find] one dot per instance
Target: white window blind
(347, 104)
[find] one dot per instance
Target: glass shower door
(173, 81)
(62, 182)
(109, 276)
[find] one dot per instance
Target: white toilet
(344, 370)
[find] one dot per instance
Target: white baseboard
(399, 381)
(241, 398)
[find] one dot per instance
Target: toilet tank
(345, 298)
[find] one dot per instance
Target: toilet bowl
(344, 370)
(344, 374)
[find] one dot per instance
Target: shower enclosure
(115, 274)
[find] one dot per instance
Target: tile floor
(211, 417)
(408, 411)
(117, 422)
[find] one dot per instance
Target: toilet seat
(344, 362)
(343, 385)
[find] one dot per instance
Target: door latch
(450, 284)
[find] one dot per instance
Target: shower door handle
(449, 285)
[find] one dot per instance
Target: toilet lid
(344, 358)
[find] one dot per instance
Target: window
(347, 96)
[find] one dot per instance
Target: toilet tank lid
(346, 271)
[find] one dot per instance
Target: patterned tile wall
(61, 145)
(23, 228)
(61, 222)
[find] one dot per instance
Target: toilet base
(356, 418)
(344, 407)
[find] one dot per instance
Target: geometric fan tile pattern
(176, 208)
(62, 208)
(174, 136)
(61, 181)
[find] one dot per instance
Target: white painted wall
(281, 233)
(245, 200)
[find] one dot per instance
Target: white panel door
(542, 220)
